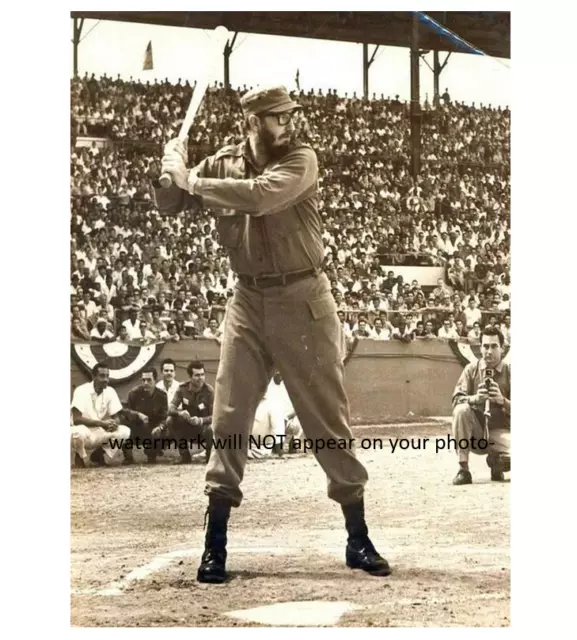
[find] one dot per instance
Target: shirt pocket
(230, 229)
(283, 225)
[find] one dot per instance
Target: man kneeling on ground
(485, 384)
(96, 414)
(190, 413)
(146, 414)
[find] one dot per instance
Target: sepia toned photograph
(290, 319)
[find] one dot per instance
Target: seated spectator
(429, 333)
(76, 313)
(505, 329)
(363, 331)
(88, 306)
(380, 331)
(347, 330)
(419, 330)
(132, 324)
(447, 332)
(471, 314)
(122, 335)
(441, 290)
(157, 326)
(474, 336)
(402, 332)
(96, 419)
(171, 333)
(104, 309)
(146, 335)
(78, 331)
(100, 333)
(460, 329)
(212, 332)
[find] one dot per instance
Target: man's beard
(275, 152)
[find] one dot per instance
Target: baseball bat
(217, 42)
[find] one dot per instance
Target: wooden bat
(215, 48)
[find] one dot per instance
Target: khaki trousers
(83, 438)
(296, 329)
(467, 424)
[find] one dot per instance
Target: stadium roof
(489, 31)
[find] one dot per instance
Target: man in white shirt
(472, 314)
(90, 307)
(168, 384)
(100, 333)
(270, 419)
(95, 422)
(380, 332)
(213, 332)
(447, 332)
(377, 303)
(132, 325)
(474, 336)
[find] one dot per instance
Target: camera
(488, 378)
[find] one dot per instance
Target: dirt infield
(137, 535)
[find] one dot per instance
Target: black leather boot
(360, 553)
(213, 563)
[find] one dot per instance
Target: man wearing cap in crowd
(282, 314)
(101, 333)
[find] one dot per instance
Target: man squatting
(282, 314)
(474, 388)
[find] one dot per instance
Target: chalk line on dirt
(162, 561)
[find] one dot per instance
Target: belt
(275, 280)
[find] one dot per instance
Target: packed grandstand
(139, 277)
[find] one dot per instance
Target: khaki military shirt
(473, 377)
(198, 403)
(268, 219)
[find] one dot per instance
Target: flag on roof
(147, 66)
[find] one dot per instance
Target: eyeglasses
(282, 118)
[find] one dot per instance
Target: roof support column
(415, 99)
(366, 66)
(228, 48)
(76, 32)
(437, 68)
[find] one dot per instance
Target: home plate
(311, 613)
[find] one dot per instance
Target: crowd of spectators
(139, 277)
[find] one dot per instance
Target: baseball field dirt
(137, 536)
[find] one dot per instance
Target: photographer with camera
(482, 409)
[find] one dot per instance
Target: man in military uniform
(190, 412)
(282, 314)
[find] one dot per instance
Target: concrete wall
(384, 379)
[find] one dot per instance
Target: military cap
(267, 100)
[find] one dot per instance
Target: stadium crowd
(139, 277)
